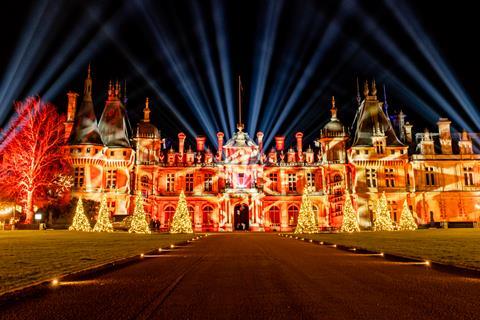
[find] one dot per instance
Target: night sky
(364, 39)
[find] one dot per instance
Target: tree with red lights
(33, 162)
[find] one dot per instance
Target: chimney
(181, 142)
(260, 141)
(220, 136)
(445, 135)
(279, 143)
(408, 132)
(299, 137)
(72, 105)
(201, 143)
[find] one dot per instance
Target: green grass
(459, 247)
(30, 256)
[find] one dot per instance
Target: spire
(87, 91)
(146, 112)
(110, 90)
(125, 99)
(374, 88)
(333, 110)
(117, 89)
(240, 125)
(385, 103)
(365, 89)
(359, 99)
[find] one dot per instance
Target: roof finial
(333, 110)
(110, 89)
(240, 125)
(125, 99)
(146, 111)
(117, 89)
(385, 103)
(365, 89)
(87, 90)
(359, 99)
(374, 88)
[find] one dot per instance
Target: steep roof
(372, 120)
(113, 123)
(85, 128)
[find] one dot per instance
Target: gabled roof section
(114, 123)
(372, 121)
(85, 128)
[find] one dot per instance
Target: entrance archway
(241, 220)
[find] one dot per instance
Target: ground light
(142, 255)
(159, 249)
(55, 282)
(172, 246)
(428, 263)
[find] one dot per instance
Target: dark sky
(368, 41)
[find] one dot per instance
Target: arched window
(207, 215)
(274, 215)
(292, 215)
(337, 178)
(169, 212)
(191, 211)
(144, 182)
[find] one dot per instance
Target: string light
(103, 220)
(350, 216)
(382, 222)
(181, 219)
(306, 217)
(80, 220)
(407, 222)
(139, 221)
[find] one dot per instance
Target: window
(189, 182)
(292, 216)
(170, 182)
(274, 215)
(292, 182)
(429, 176)
(144, 183)
(191, 211)
(78, 177)
(207, 216)
(169, 212)
(389, 178)
(468, 176)
(208, 183)
(392, 151)
(371, 175)
(111, 206)
(365, 151)
(379, 147)
(310, 179)
(111, 182)
(273, 181)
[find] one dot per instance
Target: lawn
(30, 256)
(459, 247)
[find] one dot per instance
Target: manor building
(243, 185)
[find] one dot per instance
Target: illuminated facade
(243, 186)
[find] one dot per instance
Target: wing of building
(240, 185)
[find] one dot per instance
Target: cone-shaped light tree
(306, 217)
(407, 221)
(103, 220)
(139, 221)
(382, 222)
(181, 219)
(350, 216)
(80, 220)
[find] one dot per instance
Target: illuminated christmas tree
(382, 222)
(350, 216)
(80, 220)
(407, 222)
(103, 220)
(139, 221)
(181, 219)
(306, 218)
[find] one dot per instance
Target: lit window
(189, 182)
(389, 178)
(292, 182)
(468, 176)
(111, 182)
(292, 216)
(169, 212)
(79, 174)
(429, 176)
(208, 182)
(371, 175)
(311, 179)
(273, 181)
(274, 215)
(170, 182)
(207, 216)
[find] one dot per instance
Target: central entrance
(241, 219)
